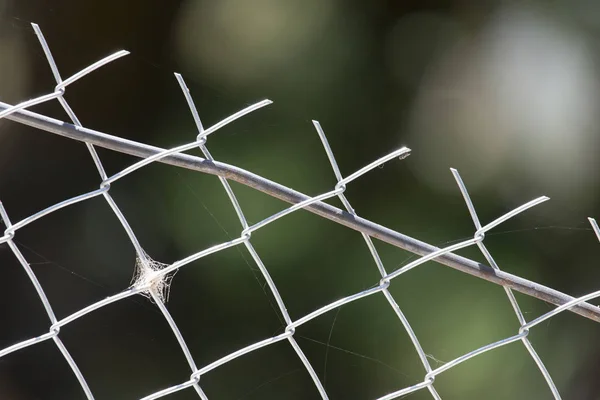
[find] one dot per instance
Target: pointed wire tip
(595, 227)
(319, 129)
(3, 215)
(404, 152)
(539, 200)
(181, 82)
(454, 170)
(37, 29)
(263, 103)
(179, 78)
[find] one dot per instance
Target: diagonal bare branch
(292, 196)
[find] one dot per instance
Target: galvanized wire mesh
(152, 279)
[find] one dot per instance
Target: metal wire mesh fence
(152, 279)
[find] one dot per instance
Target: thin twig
(292, 196)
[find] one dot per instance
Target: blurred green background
(506, 92)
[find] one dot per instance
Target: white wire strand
(571, 303)
(245, 233)
(187, 146)
(49, 311)
(595, 227)
(104, 187)
(180, 340)
(291, 327)
(407, 327)
(282, 192)
(509, 293)
(479, 236)
(247, 230)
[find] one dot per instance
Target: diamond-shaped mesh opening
(367, 362)
(270, 372)
(37, 372)
(244, 268)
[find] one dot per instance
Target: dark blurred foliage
(502, 91)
